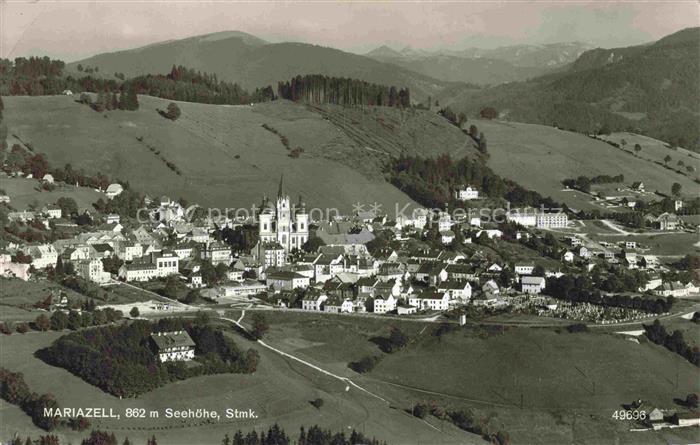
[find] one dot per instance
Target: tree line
(674, 342)
(322, 89)
(275, 435)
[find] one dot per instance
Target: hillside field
(225, 156)
(570, 383)
(24, 192)
(541, 157)
(279, 392)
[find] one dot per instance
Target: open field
(541, 157)
(279, 391)
(17, 297)
(24, 192)
(225, 156)
(570, 383)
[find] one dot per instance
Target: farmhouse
(532, 285)
(176, 346)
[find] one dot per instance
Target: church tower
(283, 216)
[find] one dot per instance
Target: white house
(466, 194)
(52, 212)
(313, 302)
(384, 304)
(43, 256)
(430, 300)
(459, 291)
(532, 285)
(568, 256)
(92, 270)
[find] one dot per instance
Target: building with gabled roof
(175, 346)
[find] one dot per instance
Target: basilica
(282, 224)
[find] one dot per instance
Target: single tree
(173, 112)
(260, 326)
(134, 312)
(637, 148)
(667, 159)
(42, 322)
(676, 189)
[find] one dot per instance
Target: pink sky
(75, 29)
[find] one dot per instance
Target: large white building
(161, 264)
(282, 224)
(534, 218)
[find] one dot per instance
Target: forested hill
(650, 89)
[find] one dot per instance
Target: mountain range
(651, 89)
(252, 62)
(484, 66)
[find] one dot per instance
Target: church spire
(279, 192)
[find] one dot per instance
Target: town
(429, 262)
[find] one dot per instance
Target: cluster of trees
(115, 98)
(315, 435)
(457, 119)
(673, 342)
(431, 181)
(188, 85)
(583, 183)
(76, 320)
(396, 341)
(582, 289)
(322, 89)
(465, 420)
(365, 364)
(120, 359)
(14, 390)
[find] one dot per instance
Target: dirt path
(346, 380)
